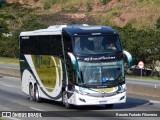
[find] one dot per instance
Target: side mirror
(73, 60)
(129, 58)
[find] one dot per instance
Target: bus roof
(51, 30)
(76, 29)
(93, 30)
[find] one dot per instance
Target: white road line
(153, 101)
(36, 109)
(7, 85)
(12, 77)
(11, 118)
(10, 67)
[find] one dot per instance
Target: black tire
(36, 94)
(65, 100)
(31, 92)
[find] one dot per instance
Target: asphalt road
(12, 99)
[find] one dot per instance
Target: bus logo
(25, 37)
(99, 58)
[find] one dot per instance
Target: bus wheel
(36, 94)
(65, 100)
(31, 92)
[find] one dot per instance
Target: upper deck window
(41, 45)
(96, 44)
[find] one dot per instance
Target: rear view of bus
(73, 64)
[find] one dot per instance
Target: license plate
(103, 101)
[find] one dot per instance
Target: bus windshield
(96, 44)
(101, 73)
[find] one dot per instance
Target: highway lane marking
(153, 101)
(7, 85)
(36, 109)
(12, 77)
(12, 118)
(10, 67)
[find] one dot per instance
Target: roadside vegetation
(8, 60)
(137, 22)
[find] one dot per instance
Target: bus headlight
(81, 92)
(121, 89)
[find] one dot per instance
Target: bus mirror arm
(129, 58)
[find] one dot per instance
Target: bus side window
(48, 45)
(67, 43)
(55, 45)
(41, 45)
(27, 46)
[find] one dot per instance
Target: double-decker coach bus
(73, 64)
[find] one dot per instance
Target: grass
(143, 77)
(6, 60)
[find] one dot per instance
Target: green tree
(31, 24)
(3, 3)
(3, 26)
(142, 44)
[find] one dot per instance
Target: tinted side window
(42, 45)
(55, 45)
(27, 45)
(67, 43)
(48, 45)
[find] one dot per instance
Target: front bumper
(79, 99)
